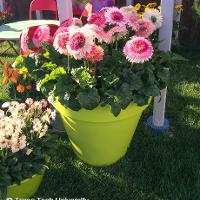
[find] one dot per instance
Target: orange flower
(20, 88)
(10, 73)
(5, 81)
(28, 87)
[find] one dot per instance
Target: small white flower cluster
(21, 121)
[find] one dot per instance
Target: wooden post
(158, 121)
(1, 5)
(64, 12)
(64, 9)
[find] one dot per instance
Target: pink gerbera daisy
(128, 10)
(60, 42)
(117, 33)
(103, 10)
(61, 29)
(114, 15)
(138, 50)
(24, 41)
(77, 22)
(131, 20)
(97, 19)
(96, 54)
(144, 28)
(81, 41)
(110, 36)
(68, 22)
(41, 34)
(72, 21)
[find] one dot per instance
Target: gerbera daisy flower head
(96, 54)
(138, 50)
(77, 22)
(97, 19)
(155, 16)
(61, 29)
(103, 10)
(131, 20)
(111, 35)
(117, 33)
(24, 41)
(41, 34)
(60, 42)
(81, 41)
(114, 15)
(128, 10)
(144, 28)
(68, 22)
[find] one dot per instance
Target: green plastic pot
(26, 189)
(97, 137)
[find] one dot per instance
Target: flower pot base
(97, 137)
(26, 189)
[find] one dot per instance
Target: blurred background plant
(196, 8)
(7, 15)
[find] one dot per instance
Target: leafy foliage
(17, 167)
(114, 81)
(196, 7)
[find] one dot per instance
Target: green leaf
(19, 61)
(124, 95)
(49, 66)
(53, 75)
(83, 77)
(177, 57)
(89, 99)
(115, 109)
(71, 103)
(135, 82)
(163, 74)
(151, 90)
(140, 100)
(111, 79)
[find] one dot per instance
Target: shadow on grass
(156, 167)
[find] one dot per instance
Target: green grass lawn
(156, 167)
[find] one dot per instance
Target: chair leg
(1, 62)
(11, 46)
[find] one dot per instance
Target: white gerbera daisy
(114, 15)
(155, 16)
(81, 41)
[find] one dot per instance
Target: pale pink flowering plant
(111, 60)
(24, 138)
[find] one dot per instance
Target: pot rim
(26, 180)
(100, 114)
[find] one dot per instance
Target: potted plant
(101, 76)
(25, 147)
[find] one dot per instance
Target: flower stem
(68, 64)
(116, 45)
